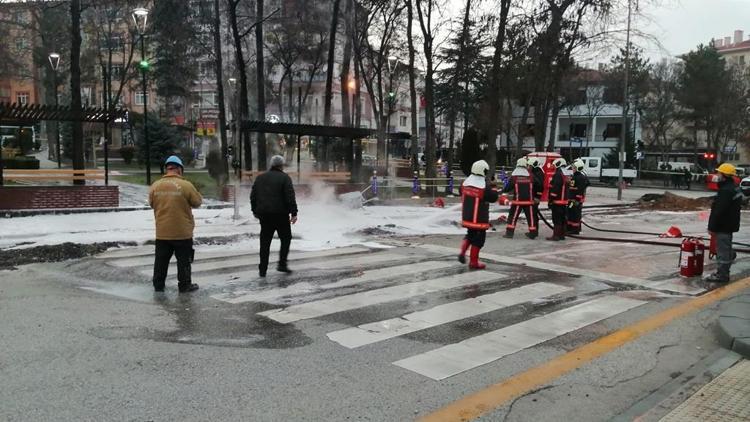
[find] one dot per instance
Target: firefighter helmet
(578, 164)
(534, 161)
(480, 168)
(522, 162)
(727, 169)
(559, 162)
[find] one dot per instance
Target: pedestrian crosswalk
(386, 294)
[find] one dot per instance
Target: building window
(139, 98)
(578, 130)
(402, 122)
(116, 72)
(613, 130)
(22, 98)
(742, 60)
(206, 70)
(207, 99)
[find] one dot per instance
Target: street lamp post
(237, 150)
(624, 130)
(140, 17)
(54, 62)
(392, 65)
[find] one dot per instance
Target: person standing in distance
(724, 221)
(172, 199)
(274, 203)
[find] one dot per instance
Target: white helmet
(534, 161)
(522, 162)
(559, 162)
(578, 164)
(480, 168)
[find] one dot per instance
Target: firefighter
(523, 200)
(558, 200)
(577, 192)
(476, 196)
(537, 174)
(724, 221)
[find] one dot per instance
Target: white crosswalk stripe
(302, 288)
(442, 314)
(373, 297)
(459, 357)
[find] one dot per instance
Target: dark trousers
(535, 210)
(574, 217)
(724, 253)
(558, 215)
(270, 224)
(183, 251)
(515, 212)
(476, 237)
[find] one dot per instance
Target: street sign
(639, 156)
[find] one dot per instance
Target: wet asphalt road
(87, 341)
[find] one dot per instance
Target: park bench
(55, 175)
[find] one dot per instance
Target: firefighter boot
(563, 229)
(508, 234)
(462, 254)
(474, 263)
(555, 234)
(532, 235)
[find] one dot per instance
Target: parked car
(745, 186)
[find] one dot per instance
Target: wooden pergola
(325, 132)
(15, 114)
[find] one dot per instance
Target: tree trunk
(261, 81)
(346, 68)
(218, 69)
(241, 70)
(493, 88)
(553, 125)
(412, 89)
(329, 80)
(75, 85)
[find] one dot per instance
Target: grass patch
(202, 181)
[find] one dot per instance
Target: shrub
(21, 163)
(127, 153)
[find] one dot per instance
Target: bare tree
(660, 109)
(75, 85)
(412, 87)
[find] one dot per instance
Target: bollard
(374, 183)
(415, 185)
(449, 188)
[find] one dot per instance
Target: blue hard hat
(173, 159)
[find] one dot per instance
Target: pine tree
(174, 37)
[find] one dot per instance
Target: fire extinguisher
(691, 257)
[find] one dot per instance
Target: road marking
(358, 261)
(382, 330)
(254, 259)
(377, 296)
(455, 358)
(495, 396)
(676, 285)
(306, 287)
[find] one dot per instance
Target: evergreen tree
(163, 138)
(470, 151)
(174, 37)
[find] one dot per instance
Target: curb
(733, 329)
(57, 211)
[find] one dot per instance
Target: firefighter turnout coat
(476, 196)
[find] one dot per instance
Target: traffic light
(709, 155)
(144, 64)
(392, 95)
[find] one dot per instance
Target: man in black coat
(724, 221)
(274, 203)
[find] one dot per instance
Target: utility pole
(624, 131)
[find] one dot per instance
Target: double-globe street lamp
(140, 17)
(54, 62)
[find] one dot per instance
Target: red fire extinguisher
(691, 257)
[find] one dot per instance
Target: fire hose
(621, 240)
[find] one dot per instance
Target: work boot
(508, 234)
(716, 278)
(531, 235)
(261, 271)
(188, 288)
(561, 234)
(462, 254)
(283, 268)
(474, 263)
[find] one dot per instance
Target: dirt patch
(671, 202)
(10, 258)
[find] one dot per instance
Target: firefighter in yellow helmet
(724, 221)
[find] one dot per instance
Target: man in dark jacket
(724, 221)
(274, 203)
(537, 174)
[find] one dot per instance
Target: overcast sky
(681, 25)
